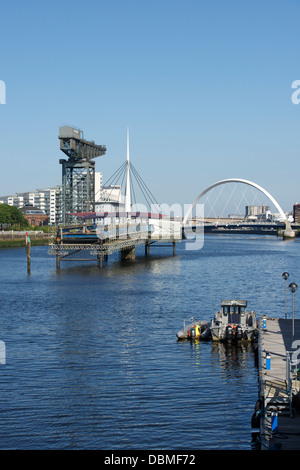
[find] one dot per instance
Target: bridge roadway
(240, 227)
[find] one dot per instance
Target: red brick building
(34, 215)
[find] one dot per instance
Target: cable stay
(118, 178)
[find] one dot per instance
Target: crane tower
(78, 172)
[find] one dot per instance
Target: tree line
(11, 217)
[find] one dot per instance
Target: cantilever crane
(78, 172)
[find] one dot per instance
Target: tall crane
(78, 172)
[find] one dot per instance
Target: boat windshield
(233, 312)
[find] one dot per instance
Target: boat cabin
(234, 310)
(234, 322)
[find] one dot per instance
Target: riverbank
(18, 239)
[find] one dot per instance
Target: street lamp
(293, 287)
(285, 276)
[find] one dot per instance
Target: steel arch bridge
(249, 183)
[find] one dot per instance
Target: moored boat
(195, 330)
(234, 323)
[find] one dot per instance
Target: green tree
(11, 215)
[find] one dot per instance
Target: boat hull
(222, 334)
(231, 323)
(195, 331)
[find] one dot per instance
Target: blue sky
(204, 86)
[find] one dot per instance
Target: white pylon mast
(127, 195)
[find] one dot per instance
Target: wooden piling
(100, 261)
(28, 251)
(147, 248)
(58, 258)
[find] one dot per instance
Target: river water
(92, 358)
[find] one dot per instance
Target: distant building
(48, 200)
(111, 199)
(257, 212)
(296, 213)
(34, 215)
(98, 185)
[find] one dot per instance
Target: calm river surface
(92, 358)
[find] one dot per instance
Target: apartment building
(49, 200)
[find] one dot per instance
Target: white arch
(238, 180)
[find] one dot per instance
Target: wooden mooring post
(28, 252)
(57, 261)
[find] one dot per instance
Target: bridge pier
(288, 232)
(100, 261)
(128, 253)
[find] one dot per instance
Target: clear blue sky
(204, 86)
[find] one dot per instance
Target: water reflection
(229, 357)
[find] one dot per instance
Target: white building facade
(48, 200)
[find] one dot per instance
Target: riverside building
(50, 200)
(296, 213)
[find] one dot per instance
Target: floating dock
(279, 384)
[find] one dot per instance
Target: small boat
(195, 330)
(234, 323)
